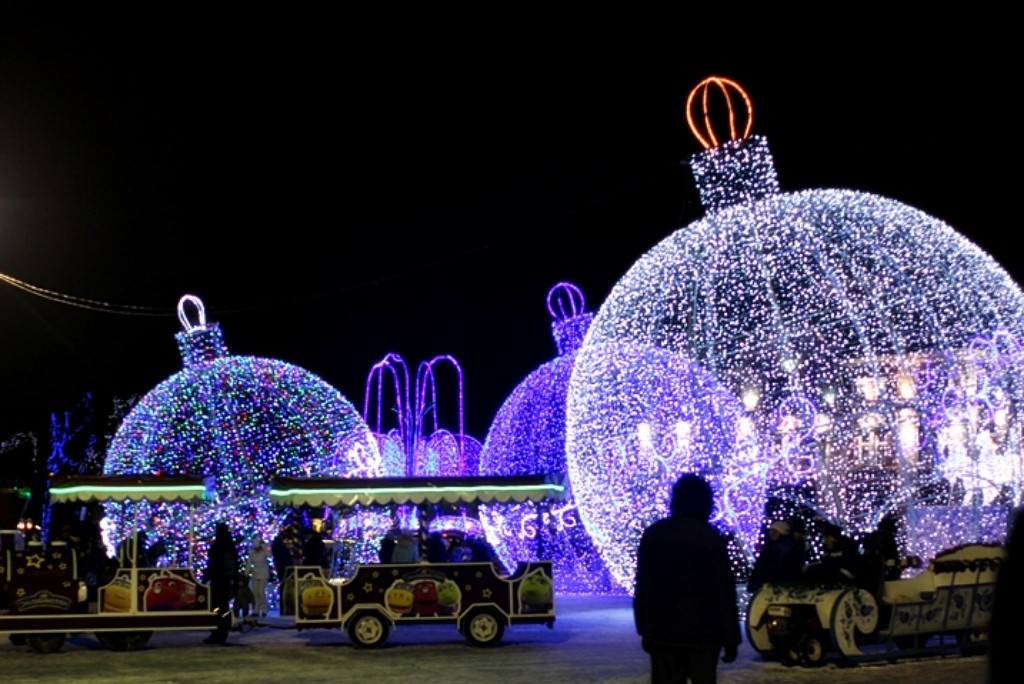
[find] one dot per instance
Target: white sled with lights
(943, 609)
(43, 599)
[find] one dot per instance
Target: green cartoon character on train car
(448, 597)
(536, 592)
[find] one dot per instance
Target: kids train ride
(43, 598)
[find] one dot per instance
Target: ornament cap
(701, 125)
(186, 324)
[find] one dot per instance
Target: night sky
(338, 188)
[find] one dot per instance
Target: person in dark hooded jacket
(684, 602)
(780, 559)
(222, 571)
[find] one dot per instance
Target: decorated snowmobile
(945, 608)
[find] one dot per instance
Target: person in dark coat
(222, 572)
(880, 560)
(314, 551)
(841, 561)
(780, 559)
(1007, 607)
(280, 554)
(387, 547)
(285, 550)
(437, 548)
(684, 602)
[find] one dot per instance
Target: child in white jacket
(259, 570)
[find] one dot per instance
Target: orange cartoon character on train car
(169, 591)
(425, 597)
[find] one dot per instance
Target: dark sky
(336, 188)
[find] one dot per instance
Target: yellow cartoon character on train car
(399, 598)
(117, 596)
(316, 601)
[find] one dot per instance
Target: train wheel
(812, 652)
(45, 643)
(124, 641)
(483, 628)
(368, 630)
(973, 642)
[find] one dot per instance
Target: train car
(373, 599)
(943, 609)
(43, 598)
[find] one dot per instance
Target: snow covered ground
(593, 640)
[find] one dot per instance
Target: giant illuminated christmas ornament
(836, 351)
(237, 421)
(528, 437)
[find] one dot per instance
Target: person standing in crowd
(1007, 607)
(222, 575)
(437, 548)
(280, 554)
(460, 551)
(684, 602)
(286, 550)
(883, 544)
(779, 560)
(259, 570)
(244, 600)
(798, 530)
(407, 548)
(314, 551)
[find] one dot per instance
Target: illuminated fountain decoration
(528, 437)
(408, 448)
(876, 352)
(407, 426)
(237, 421)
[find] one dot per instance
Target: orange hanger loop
(705, 132)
